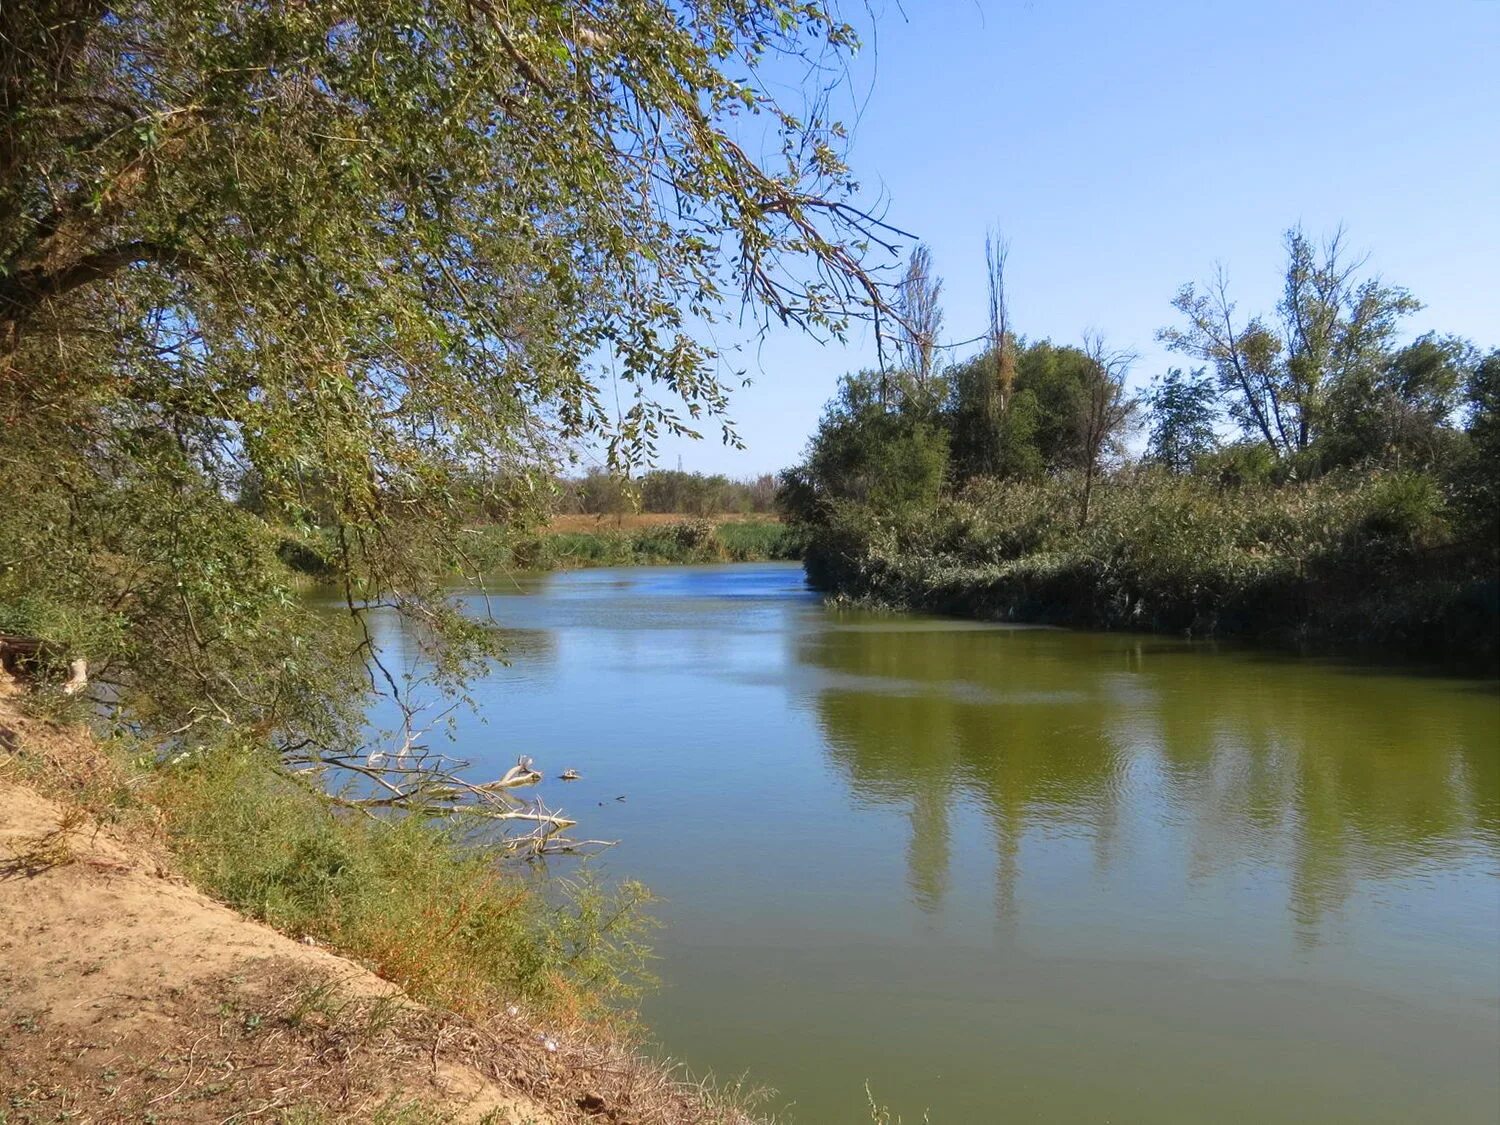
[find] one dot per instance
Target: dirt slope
(126, 995)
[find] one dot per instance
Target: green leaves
(1281, 382)
(341, 259)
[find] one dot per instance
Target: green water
(1010, 874)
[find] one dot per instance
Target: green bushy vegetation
(681, 542)
(1322, 482)
(669, 491)
(1365, 561)
(755, 540)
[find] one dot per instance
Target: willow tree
(342, 255)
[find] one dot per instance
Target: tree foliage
(1182, 407)
(332, 257)
(666, 491)
(1279, 379)
(864, 453)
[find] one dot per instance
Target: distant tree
(703, 494)
(918, 301)
(1057, 377)
(1482, 390)
(973, 418)
(1020, 454)
(602, 493)
(760, 494)
(1278, 380)
(993, 381)
(1002, 345)
(1102, 409)
(1181, 408)
(1040, 428)
(862, 452)
(1477, 471)
(1399, 413)
(706, 495)
(986, 440)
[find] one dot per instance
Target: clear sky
(1126, 148)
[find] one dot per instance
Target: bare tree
(1002, 346)
(921, 314)
(1103, 409)
(987, 385)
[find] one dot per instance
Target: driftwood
(422, 781)
(23, 657)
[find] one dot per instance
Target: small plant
(881, 1115)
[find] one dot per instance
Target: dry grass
(293, 1046)
(265, 1045)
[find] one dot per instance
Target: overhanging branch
(28, 288)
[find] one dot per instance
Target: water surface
(1010, 874)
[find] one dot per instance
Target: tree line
(1326, 386)
(1328, 393)
(667, 491)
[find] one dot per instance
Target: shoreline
(903, 585)
(134, 987)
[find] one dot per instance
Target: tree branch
(30, 287)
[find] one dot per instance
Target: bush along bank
(683, 542)
(1364, 563)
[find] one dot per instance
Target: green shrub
(685, 541)
(1237, 465)
(1346, 559)
(694, 540)
(1405, 507)
(753, 540)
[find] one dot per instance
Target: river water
(1010, 874)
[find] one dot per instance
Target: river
(1013, 874)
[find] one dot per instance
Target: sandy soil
(126, 995)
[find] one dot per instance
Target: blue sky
(1124, 149)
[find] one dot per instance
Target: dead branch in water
(421, 781)
(413, 778)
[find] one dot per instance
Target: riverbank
(569, 542)
(1357, 565)
(209, 940)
